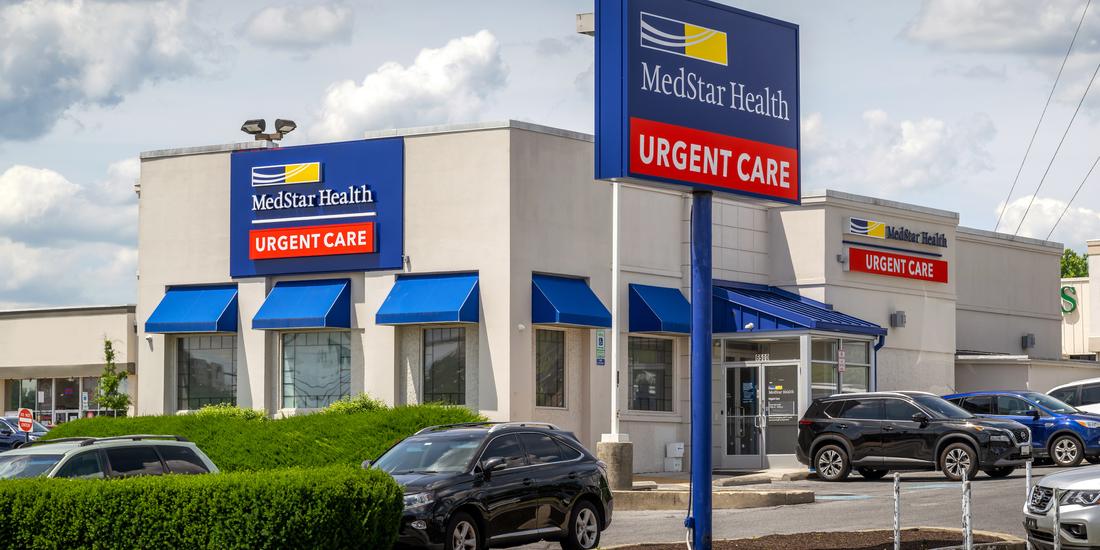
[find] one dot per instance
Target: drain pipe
(881, 342)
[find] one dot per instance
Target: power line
(1066, 209)
(1042, 115)
(1055, 155)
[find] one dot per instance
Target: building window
(826, 380)
(316, 369)
(549, 368)
(445, 366)
(207, 371)
(650, 371)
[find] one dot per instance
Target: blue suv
(1058, 431)
(12, 438)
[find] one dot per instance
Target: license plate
(1031, 523)
(1025, 450)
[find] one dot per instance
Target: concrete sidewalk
(681, 480)
(731, 490)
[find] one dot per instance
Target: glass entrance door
(744, 418)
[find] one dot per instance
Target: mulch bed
(912, 539)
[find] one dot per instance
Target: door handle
(887, 428)
(842, 426)
(572, 475)
(527, 481)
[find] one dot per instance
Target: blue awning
(566, 301)
(421, 299)
(322, 303)
(195, 309)
(658, 309)
(770, 308)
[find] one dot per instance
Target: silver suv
(107, 457)
(1078, 511)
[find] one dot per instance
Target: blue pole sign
(698, 94)
(317, 208)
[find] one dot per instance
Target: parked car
(882, 431)
(1082, 394)
(1058, 431)
(1078, 509)
(107, 457)
(481, 485)
(12, 438)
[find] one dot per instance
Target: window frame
(179, 341)
(673, 374)
(559, 440)
(101, 460)
(423, 332)
(564, 367)
(110, 471)
(280, 369)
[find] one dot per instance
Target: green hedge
(336, 507)
(235, 443)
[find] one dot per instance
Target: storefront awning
(195, 309)
(566, 301)
(422, 299)
(770, 308)
(658, 309)
(306, 304)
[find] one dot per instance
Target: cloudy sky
(931, 102)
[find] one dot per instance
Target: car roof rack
(449, 426)
(58, 440)
(493, 426)
(139, 437)
(546, 425)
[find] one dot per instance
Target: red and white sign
(684, 154)
(897, 265)
(26, 420)
(315, 240)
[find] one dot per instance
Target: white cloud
(1017, 26)
(59, 54)
(301, 26)
(888, 155)
(442, 85)
(28, 193)
(1077, 226)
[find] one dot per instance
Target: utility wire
(1055, 155)
(1079, 186)
(1042, 115)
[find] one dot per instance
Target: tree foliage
(1074, 264)
(110, 394)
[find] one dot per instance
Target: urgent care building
(470, 265)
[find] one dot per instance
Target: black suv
(878, 432)
(475, 486)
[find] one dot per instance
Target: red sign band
(897, 265)
(684, 154)
(316, 240)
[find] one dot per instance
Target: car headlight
(1091, 424)
(1081, 498)
(416, 500)
(1001, 438)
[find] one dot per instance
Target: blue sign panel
(317, 208)
(690, 92)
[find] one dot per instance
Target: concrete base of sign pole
(618, 454)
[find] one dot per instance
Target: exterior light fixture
(1027, 341)
(255, 127)
(897, 319)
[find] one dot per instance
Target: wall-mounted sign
(897, 265)
(317, 208)
(699, 94)
(1069, 299)
(879, 230)
(601, 348)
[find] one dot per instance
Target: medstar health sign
(690, 92)
(317, 208)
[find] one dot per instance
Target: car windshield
(434, 453)
(940, 407)
(1050, 403)
(14, 466)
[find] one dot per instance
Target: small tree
(1074, 264)
(109, 392)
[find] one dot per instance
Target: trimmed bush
(315, 440)
(351, 405)
(224, 410)
(294, 508)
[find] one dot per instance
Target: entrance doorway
(760, 413)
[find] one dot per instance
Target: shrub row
(240, 443)
(336, 507)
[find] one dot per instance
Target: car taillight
(805, 422)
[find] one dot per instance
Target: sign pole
(701, 305)
(613, 350)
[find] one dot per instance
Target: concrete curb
(633, 501)
(1010, 542)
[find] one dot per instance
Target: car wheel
(1066, 451)
(584, 528)
(1003, 471)
(462, 534)
(832, 463)
(957, 459)
(1093, 459)
(871, 473)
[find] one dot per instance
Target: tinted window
(896, 409)
(1068, 395)
(181, 460)
(134, 461)
(982, 404)
(17, 466)
(507, 447)
(867, 409)
(84, 465)
(567, 452)
(1013, 406)
(1090, 394)
(541, 448)
(437, 452)
(1050, 403)
(940, 407)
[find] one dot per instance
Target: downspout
(878, 346)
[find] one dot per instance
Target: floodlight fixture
(284, 126)
(255, 127)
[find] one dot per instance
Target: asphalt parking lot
(928, 499)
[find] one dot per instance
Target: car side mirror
(1034, 414)
(491, 465)
(5, 432)
(921, 418)
(367, 464)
